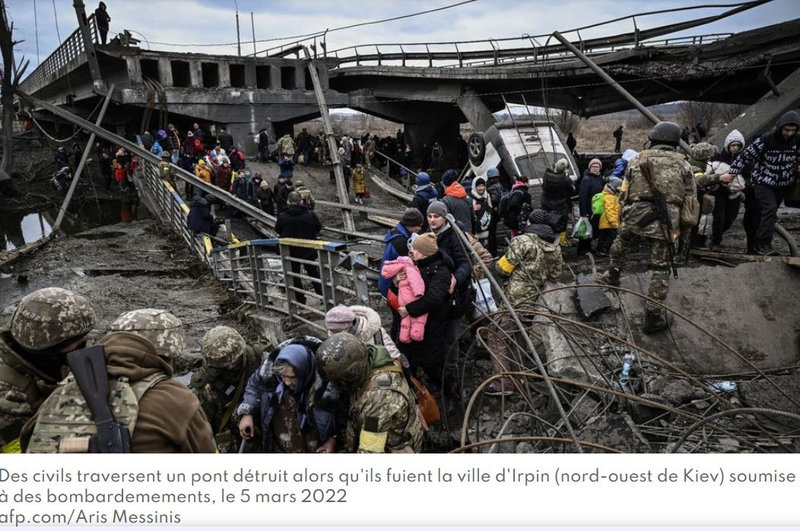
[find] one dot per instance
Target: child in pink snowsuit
(408, 290)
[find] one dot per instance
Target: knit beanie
(426, 244)
(538, 216)
(437, 207)
(595, 161)
(339, 318)
(479, 181)
(613, 184)
(423, 179)
(412, 218)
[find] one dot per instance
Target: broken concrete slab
(591, 299)
(752, 308)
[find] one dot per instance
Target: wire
(55, 15)
(322, 32)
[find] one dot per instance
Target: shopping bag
(582, 230)
(484, 300)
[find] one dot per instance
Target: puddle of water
(18, 229)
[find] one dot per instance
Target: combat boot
(611, 277)
(655, 321)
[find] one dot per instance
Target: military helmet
(703, 151)
(342, 358)
(51, 316)
(221, 346)
(161, 328)
(665, 133)
(166, 154)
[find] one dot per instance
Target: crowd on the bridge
(352, 391)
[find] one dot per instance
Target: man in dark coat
(423, 195)
(102, 20)
(297, 221)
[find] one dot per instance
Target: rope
(77, 131)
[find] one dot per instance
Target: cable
(55, 15)
(36, 28)
(331, 30)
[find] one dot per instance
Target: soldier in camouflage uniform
(165, 170)
(161, 413)
(532, 258)
(228, 361)
(306, 198)
(46, 325)
(383, 412)
(698, 159)
(289, 402)
(673, 177)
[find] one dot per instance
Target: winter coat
(314, 399)
(435, 271)
(621, 164)
(200, 219)
(297, 221)
(358, 180)
(203, 172)
(520, 195)
(482, 213)
(264, 196)
(774, 160)
(611, 209)
(408, 290)
(223, 178)
(539, 252)
(557, 190)
(395, 244)
(422, 198)
(455, 197)
(591, 184)
(287, 168)
(449, 244)
(281, 193)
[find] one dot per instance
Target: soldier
(383, 413)
(294, 408)
(532, 258)
(305, 195)
(46, 325)
(162, 414)
(228, 361)
(165, 170)
(673, 177)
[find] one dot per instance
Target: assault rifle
(661, 212)
(89, 369)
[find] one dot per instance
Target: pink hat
(339, 318)
(593, 161)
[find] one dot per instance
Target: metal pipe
(82, 163)
(513, 314)
(608, 79)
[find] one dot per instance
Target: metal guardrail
(263, 272)
(69, 54)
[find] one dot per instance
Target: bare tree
(13, 73)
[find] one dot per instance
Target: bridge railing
(70, 54)
(265, 273)
(489, 52)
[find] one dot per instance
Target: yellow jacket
(610, 217)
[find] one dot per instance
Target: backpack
(64, 422)
(198, 145)
(598, 204)
(505, 205)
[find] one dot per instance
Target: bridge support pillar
(165, 72)
(274, 77)
(300, 76)
(475, 110)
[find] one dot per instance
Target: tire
(477, 148)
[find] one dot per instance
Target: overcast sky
(165, 24)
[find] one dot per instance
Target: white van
(528, 148)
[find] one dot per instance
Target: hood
(473, 187)
(733, 136)
(198, 201)
(790, 117)
(302, 360)
(629, 154)
(427, 191)
(295, 210)
(391, 235)
(132, 356)
(545, 232)
(456, 190)
(368, 322)
(378, 356)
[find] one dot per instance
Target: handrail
(63, 57)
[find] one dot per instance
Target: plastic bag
(484, 300)
(582, 230)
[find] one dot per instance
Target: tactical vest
(669, 169)
(65, 423)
